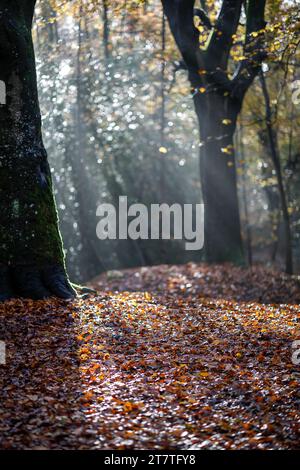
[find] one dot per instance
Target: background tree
(121, 115)
(218, 99)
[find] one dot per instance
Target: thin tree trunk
(106, 32)
(89, 265)
(245, 199)
(163, 108)
(277, 166)
(272, 195)
(163, 155)
(290, 162)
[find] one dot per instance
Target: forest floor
(168, 357)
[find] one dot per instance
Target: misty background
(118, 119)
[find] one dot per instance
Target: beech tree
(31, 252)
(218, 95)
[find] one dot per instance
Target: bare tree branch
(253, 47)
(222, 37)
(180, 14)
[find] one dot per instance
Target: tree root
(35, 283)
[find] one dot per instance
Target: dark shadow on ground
(40, 383)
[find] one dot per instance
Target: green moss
(29, 230)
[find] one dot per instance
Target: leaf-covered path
(163, 358)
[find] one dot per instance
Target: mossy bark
(29, 233)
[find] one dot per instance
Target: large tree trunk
(31, 253)
(217, 115)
